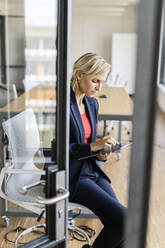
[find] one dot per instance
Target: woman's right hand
(101, 143)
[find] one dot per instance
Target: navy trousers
(96, 193)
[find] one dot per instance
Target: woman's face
(91, 85)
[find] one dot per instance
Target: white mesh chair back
(23, 136)
(24, 141)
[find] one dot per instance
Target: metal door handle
(53, 200)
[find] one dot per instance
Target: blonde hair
(89, 64)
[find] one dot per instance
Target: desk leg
(104, 128)
(119, 137)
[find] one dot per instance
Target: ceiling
(106, 2)
(104, 7)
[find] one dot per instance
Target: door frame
(149, 30)
(51, 238)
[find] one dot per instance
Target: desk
(116, 106)
(40, 94)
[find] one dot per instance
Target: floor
(118, 172)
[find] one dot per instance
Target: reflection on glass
(40, 57)
(27, 95)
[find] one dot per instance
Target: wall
(93, 32)
(124, 50)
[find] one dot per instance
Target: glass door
(37, 96)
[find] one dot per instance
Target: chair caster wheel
(6, 221)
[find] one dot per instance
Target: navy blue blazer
(78, 148)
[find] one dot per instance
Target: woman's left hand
(103, 157)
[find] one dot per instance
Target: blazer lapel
(76, 113)
(90, 114)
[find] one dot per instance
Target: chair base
(74, 228)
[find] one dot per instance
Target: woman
(89, 185)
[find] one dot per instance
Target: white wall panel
(124, 48)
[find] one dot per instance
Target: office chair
(20, 179)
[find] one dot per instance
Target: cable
(75, 234)
(18, 229)
(88, 230)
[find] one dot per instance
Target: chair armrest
(23, 190)
(19, 171)
(5, 171)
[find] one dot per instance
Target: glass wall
(40, 58)
(28, 87)
(28, 60)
